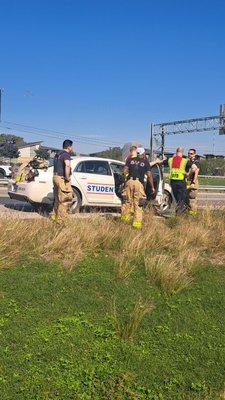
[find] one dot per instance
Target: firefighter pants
(63, 195)
(192, 196)
(133, 193)
(180, 193)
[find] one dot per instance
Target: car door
(117, 170)
(96, 181)
(157, 180)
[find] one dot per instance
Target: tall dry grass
(168, 250)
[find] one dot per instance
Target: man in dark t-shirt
(60, 161)
(63, 193)
(135, 170)
(192, 169)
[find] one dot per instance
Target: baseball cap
(140, 150)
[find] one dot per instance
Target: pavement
(17, 209)
(22, 210)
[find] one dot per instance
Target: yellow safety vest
(177, 174)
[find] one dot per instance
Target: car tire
(166, 204)
(76, 202)
(2, 174)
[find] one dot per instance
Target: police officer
(192, 168)
(177, 174)
(135, 170)
(63, 192)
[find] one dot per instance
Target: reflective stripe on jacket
(177, 173)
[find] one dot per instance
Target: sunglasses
(191, 154)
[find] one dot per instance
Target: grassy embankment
(99, 311)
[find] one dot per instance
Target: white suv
(95, 181)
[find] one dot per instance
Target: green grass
(63, 335)
(212, 181)
(208, 181)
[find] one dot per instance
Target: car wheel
(165, 205)
(76, 202)
(2, 174)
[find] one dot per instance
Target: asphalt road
(17, 209)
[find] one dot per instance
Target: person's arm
(67, 170)
(150, 180)
(125, 171)
(158, 161)
(194, 171)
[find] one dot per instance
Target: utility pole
(162, 141)
(213, 146)
(151, 143)
(1, 91)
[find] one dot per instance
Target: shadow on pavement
(25, 207)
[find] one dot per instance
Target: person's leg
(54, 215)
(138, 194)
(173, 185)
(182, 197)
(180, 194)
(65, 197)
(127, 202)
(193, 201)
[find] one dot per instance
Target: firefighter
(177, 175)
(63, 192)
(134, 194)
(192, 168)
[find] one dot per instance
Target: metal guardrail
(4, 182)
(212, 188)
(211, 176)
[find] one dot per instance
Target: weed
(129, 329)
(124, 267)
(167, 274)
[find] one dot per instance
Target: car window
(80, 167)
(155, 172)
(117, 168)
(94, 167)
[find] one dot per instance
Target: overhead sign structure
(205, 124)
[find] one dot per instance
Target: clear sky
(105, 69)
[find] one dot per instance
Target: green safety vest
(177, 174)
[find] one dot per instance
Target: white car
(95, 182)
(5, 171)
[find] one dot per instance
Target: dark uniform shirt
(138, 167)
(192, 162)
(59, 163)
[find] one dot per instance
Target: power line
(62, 133)
(78, 139)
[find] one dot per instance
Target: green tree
(9, 150)
(17, 140)
(9, 145)
(42, 153)
(212, 166)
(113, 152)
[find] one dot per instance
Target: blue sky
(106, 69)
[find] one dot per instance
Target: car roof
(77, 159)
